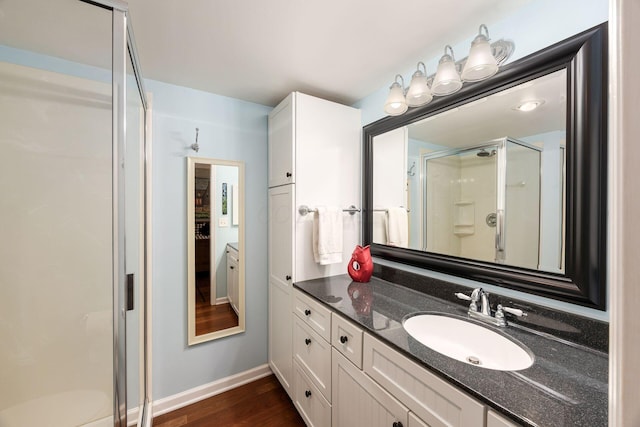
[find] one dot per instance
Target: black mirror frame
(585, 57)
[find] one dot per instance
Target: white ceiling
(259, 50)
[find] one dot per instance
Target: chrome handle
(500, 230)
(462, 296)
(514, 311)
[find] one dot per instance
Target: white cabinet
(313, 353)
(233, 292)
(280, 283)
(311, 404)
(281, 147)
(314, 159)
(359, 401)
(434, 400)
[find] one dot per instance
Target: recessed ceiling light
(529, 105)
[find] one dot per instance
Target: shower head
(484, 153)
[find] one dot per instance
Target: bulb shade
(395, 104)
(447, 80)
(481, 64)
(419, 92)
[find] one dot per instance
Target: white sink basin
(468, 342)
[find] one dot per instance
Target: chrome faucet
(483, 312)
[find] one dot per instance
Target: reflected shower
(484, 153)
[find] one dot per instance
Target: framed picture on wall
(224, 198)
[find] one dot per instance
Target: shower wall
(56, 249)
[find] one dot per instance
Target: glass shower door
(56, 309)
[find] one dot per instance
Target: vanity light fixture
(481, 64)
(530, 105)
(419, 92)
(396, 103)
(447, 79)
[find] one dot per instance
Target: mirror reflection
(215, 232)
(484, 181)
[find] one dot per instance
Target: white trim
(222, 300)
(148, 366)
(624, 206)
(196, 394)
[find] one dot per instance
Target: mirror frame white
(191, 282)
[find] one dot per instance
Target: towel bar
(304, 209)
(386, 210)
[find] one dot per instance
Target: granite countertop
(566, 385)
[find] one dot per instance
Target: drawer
(313, 355)
(311, 405)
(434, 401)
(313, 314)
(347, 339)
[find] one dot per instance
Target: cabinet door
(281, 236)
(359, 401)
(280, 335)
(436, 402)
(232, 282)
(495, 420)
(281, 143)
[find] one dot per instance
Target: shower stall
(73, 168)
(483, 202)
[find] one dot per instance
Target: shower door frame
(123, 44)
(501, 186)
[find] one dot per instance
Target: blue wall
(229, 129)
(535, 26)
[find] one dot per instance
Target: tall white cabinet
(314, 160)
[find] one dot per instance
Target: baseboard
(196, 394)
(222, 300)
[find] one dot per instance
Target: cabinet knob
(343, 339)
(397, 424)
(288, 174)
(307, 341)
(287, 277)
(307, 312)
(307, 393)
(231, 267)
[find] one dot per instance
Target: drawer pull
(307, 341)
(307, 312)
(397, 424)
(288, 277)
(343, 339)
(307, 393)
(288, 174)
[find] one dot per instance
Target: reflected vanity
(503, 182)
(215, 230)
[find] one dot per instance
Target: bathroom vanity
(355, 364)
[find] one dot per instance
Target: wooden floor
(262, 403)
(211, 318)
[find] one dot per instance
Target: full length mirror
(503, 182)
(215, 230)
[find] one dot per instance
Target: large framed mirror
(503, 182)
(215, 249)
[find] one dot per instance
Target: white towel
(397, 227)
(380, 227)
(327, 235)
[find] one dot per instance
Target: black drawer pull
(307, 312)
(308, 394)
(307, 341)
(288, 277)
(343, 339)
(397, 424)
(288, 174)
